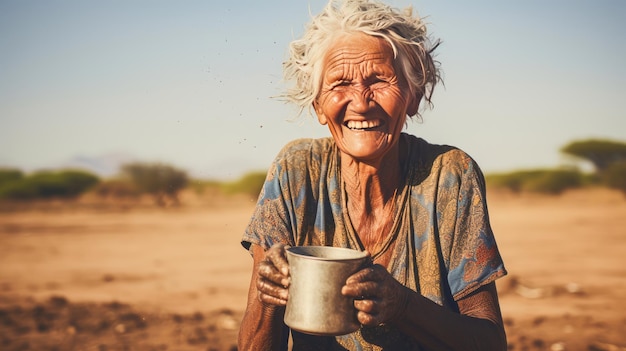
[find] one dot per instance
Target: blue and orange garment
(442, 242)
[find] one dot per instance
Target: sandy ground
(101, 277)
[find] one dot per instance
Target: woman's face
(364, 100)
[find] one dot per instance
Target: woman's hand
(273, 277)
(379, 298)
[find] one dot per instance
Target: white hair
(404, 32)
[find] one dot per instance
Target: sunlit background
(190, 83)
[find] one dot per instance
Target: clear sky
(190, 83)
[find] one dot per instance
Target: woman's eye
(379, 81)
(343, 83)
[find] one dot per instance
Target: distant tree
(601, 153)
(161, 181)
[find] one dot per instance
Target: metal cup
(316, 305)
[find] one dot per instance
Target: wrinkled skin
(363, 100)
(273, 277)
(379, 298)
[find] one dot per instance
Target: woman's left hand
(379, 298)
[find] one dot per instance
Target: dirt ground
(111, 276)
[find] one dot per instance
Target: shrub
(49, 184)
(76, 182)
(553, 181)
(23, 189)
(10, 175)
(159, 180)
(540, 180)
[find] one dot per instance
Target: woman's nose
(360, 100)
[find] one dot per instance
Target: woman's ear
(320, 114)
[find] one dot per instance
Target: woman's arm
(478, 327)
(262, 326)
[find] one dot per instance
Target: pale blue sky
(190, 82)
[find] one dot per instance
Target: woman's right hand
(273, 276)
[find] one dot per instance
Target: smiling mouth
(362, 125)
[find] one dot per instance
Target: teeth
(363, 124)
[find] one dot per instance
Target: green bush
(10, 175)
(554, 182)
(550, 181)
(250, 184)
(49, 184)
(615, 176)
(23, 189)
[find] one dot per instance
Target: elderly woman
(419, 209)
